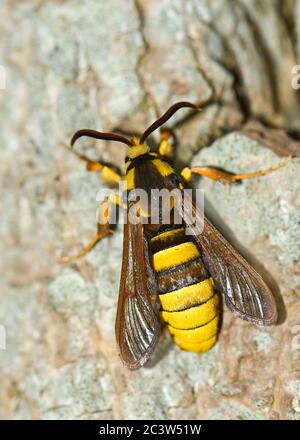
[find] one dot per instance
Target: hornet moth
(166, 274)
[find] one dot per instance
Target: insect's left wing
(137, 323)
(245, 292)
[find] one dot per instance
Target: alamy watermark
(295, 77)
(154, 206)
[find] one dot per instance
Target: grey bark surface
(118, 65)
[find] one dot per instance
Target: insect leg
(227, 177)
(166, 145)
(103, 228)
(109, 173)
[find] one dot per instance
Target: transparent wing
(245, 292)
(137, 323)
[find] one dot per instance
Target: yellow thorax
(137, 149)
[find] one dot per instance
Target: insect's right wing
(245, 292)
(137, 323)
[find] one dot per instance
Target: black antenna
(165, 117)
(99, 135)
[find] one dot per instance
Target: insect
(166, 274)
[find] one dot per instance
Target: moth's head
(137, 148)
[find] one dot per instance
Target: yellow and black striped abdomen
(189, 302)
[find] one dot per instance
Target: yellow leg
(186, 173)
(108, 173)
(103, 229)
(166, 145)
(227, 177)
